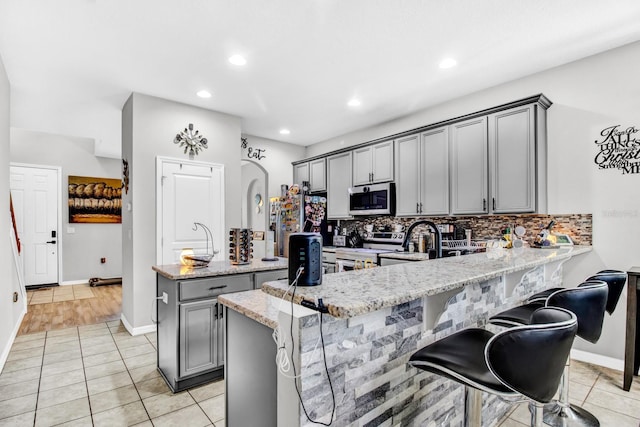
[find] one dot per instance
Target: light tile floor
(599, 391)
(59, 293)
(97, 375)
(100, 375)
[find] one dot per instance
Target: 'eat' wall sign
(253, 153)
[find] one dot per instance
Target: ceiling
(73, 63)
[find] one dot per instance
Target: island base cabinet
(250, 372)
(191, 328)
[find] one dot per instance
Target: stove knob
(393, 236)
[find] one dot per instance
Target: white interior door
(189, 192)
(35, 196)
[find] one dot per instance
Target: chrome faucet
(407, 237)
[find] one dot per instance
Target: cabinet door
(408, 175)
(469, 178)
(434, 173)
(301, 173)
(512, 160)
(382, 158)
(362, 160)
(198, 337)
(338, 183)
(317, 175)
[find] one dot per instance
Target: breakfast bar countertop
(357, 292)
(218, 268)
(256, 305)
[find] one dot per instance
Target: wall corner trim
(140, 330)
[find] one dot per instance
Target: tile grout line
(130, 376)
(84, 372)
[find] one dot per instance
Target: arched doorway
(255, 202)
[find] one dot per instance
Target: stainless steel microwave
(375, 199)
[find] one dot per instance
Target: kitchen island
(379, 317)
(190, 320)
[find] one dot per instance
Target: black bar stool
(588, 302)
(614, 278)
(522, 361)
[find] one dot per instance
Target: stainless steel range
(374, 243)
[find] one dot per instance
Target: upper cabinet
(338, 183)
(490, 161)
(373, 163)
(469, 169)
(512, 150)
(422, 173)
(313, 172)
(498, 162)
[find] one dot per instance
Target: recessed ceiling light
(285, 131)
(237, 60)
(204, 94)
(448, 63)
(354, 102)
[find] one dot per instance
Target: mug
(397, 228)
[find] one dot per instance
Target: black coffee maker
(305, 250)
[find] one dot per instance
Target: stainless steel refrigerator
(297, 212)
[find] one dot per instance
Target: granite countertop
(328, 249)
(352, 293)
(256, 305)
(218, 268)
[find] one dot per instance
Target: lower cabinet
(191, 325)
(199, 340)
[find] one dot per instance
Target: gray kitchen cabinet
(301, 173)
(469, 164)
(269, 276)
(313, 172)
(199, 340)
(422, 173)
(338, 183)
(408, 166)
(191, 327)
(373, 163)
(512, 162)
(317, 175)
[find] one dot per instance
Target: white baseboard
(597, 359)
(140, 330)
(74, 282)
(12, 338)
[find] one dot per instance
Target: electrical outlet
(165, 298)
(103, 260)
(15, 297)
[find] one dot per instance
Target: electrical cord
(154, 300)
(324, 355)
(282, 358)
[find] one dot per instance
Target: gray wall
(149, 127)
(10, 312)
(588, 95)
(82, 250)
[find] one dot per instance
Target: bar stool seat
(525, 360)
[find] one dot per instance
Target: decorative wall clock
(193, 142)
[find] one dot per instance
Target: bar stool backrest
(616, 280)
(530, 359)
(587, 301)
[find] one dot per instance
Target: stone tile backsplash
(577, 226)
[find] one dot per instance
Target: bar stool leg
(472, 407)
(564, 414)
(537, 411)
